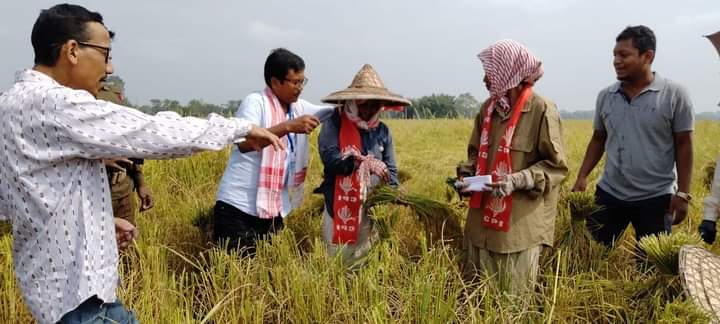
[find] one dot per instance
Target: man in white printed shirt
(53, 184)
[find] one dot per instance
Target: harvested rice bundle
(573, 238)
(662, 250)
(581, 205)
(441, 222)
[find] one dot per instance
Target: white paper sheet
(477, 183)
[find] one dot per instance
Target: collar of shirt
(33, 76)
(655, 86)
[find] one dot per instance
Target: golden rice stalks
(581, 205)
(439, 219)
(662, 250)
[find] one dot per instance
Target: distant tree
(232, 106)
(467, 105)
(436, 106)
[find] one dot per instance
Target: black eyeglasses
(298, 83)
(101, 49)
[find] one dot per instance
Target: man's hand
(119, 164)
(580, 184)
(506, 185)
(303, 125)
(461, 187)
(146, 198)
(259, 137)
(678, 208)
(384, 174)
(707, 231)
(125, 233)
(502, 188)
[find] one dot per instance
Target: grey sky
(214, 50)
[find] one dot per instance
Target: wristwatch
(684, 195)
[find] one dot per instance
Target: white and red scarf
(272, 162)
(351, 191)
(496, 212)
(507, 64)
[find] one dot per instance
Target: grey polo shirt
(640, 145)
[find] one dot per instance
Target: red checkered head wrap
(507, 63)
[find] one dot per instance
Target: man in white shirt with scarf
(259, 189)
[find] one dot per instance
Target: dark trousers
(648, 217)
(240, 230)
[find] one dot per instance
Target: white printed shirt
(54, 189)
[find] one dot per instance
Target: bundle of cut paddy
(572, 235)
(439, 219)
(662, 250)
(581, 205)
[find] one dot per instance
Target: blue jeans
(94, 311)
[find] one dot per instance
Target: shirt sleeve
(711, 204)
(251, 109)
(683, 116)
(97, 129)
(468, 167)
(322, 112)
(389, 158)
(598, 122)
(551, 169)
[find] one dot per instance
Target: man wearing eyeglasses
(53, 184)
(258, 189)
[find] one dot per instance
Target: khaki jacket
(538, 147)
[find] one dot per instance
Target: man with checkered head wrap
(517, 139)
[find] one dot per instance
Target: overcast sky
(214, 50)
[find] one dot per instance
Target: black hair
(642, 37)
(57, 25)
(280, 62)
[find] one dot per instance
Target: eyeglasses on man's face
(298, 83)
(102, 49)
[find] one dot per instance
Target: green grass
(174, 275)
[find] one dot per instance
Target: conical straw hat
(700, 273)
(366, 85)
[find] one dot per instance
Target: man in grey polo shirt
(644, 123)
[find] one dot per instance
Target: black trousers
(648, 217)
(240, 230)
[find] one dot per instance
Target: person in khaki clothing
(125, 175)
(517, 138)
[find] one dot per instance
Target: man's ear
(70, 51)
(649, 55)
(274, 83)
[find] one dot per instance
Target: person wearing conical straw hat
(357, 153)
(517, 139)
